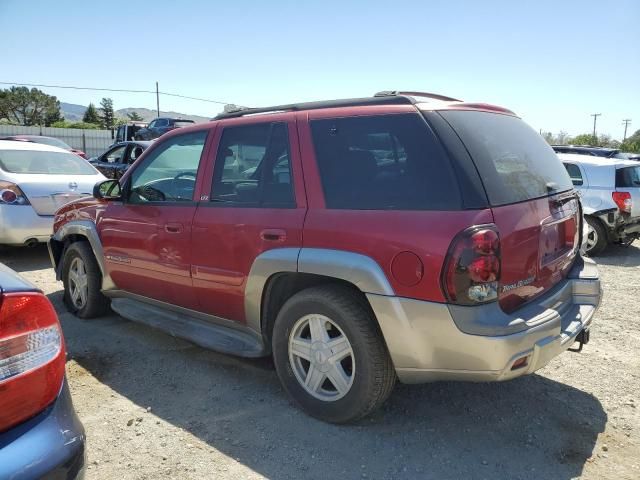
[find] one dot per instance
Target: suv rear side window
(390, 162)
(514, 162)
(628, 177)
(252, 167)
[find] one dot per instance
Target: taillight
(472, 269)
(623, 201)
(10, 194)
(32, 357)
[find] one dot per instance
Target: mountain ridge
(73, 113)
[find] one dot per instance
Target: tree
(29, 107)
(134, 117)
(107, 115)
(635, 138)
(91, 115)
(582, 139)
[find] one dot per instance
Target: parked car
(160, 126)
(40, 434)
(428, 239)
(126, 132)
(610, 190)
(593, 151)
(54, 142)
(119, 157)
(36, 180)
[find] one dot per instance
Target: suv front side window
(169, 173)
(253, 167)
(574, 172)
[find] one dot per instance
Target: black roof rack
(350, 102)
(435, 96)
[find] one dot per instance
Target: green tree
(91, 115)
(582, 139)
(107, 115)
(22, 106)
(134, 117)
(635, 138)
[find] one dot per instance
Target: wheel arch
(78, 231)
(278, 274)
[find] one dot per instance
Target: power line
(73, 87)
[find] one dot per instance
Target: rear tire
(330, 354)
(597, 238)
(82, 281)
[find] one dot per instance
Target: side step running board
(204, 333)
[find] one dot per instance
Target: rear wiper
(551, 186)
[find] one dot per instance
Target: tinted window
(574, 173)
(390, 162)
(252, 167)
(514, 161)
(628, 177)
(161, 122)
(51, 163)
(169, 173)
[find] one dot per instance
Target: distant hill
(74, 113)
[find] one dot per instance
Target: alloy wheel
(321, 357)
(78, 283)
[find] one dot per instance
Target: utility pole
(595, 118)
(158, 99)
(626, 122)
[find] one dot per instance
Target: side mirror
(107, 190)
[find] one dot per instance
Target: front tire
(596, 239)
(82, 281)
(330, 355)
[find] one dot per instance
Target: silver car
(36, 180)
(610, 191)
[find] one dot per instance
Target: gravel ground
(157, 407)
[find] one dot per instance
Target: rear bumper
(19, 223)
(427, 344)
(51, 445)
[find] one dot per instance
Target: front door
(253, 207)
(147, 236)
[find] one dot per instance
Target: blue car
(40, 433)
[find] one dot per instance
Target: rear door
(256, 203)
(147, 237)
(534, 204)
(628, 180)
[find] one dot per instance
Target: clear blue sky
(553, 62)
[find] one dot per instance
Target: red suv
(405, 235)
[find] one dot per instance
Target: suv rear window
(390, 162)
(514, 162)
(628, 177)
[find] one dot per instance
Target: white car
(36, 180)
(610, 191)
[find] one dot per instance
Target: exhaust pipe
(31, 242)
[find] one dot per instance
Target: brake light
(472, 269)
(10, 194)
(32, 357)
(623, 201)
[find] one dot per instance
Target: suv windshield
(52, 163)
(514, 162)
(628, 177)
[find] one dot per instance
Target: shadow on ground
(620, 256)
(25, 259)
(528, 428)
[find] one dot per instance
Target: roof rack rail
(350, 102)
(435, 96)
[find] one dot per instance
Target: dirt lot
(157, 407)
